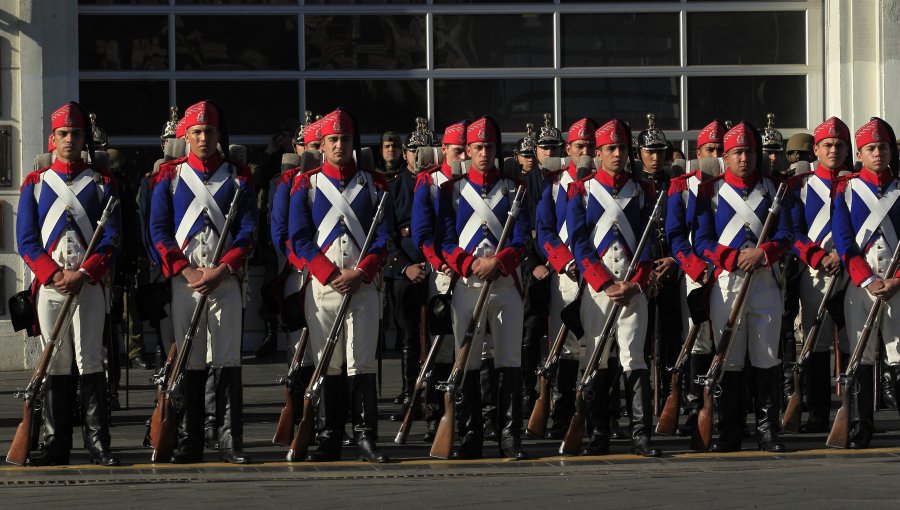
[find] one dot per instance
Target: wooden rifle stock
(284, 430)
(668, 418)
(21, 444)
(161, 379)
(702, 437)
(840, 430)
(300, 444)
(442, 445)
(422, 381)
(571, 444)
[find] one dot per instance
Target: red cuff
(773, 251)
(595, 274)
(460, 261)
(724, 257)
(371, 265)
(321, 268)
(431, 255)
(234, 258)
(96, 266)
(43, 268)
(642, 275)
(509, 260)
(859, 270)
(692, 265)
(559, 256)
(173, 260)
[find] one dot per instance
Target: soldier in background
(773, 147)
(391, 152)
(799, 147)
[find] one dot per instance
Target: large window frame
(813, 69)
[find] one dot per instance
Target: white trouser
(857, 304)
(292, 285)
(703, 344)
(562, 292)
(812, 290)
(83, 339)
(759, 329)
(630, 330)
(504, 311)
(438, 283)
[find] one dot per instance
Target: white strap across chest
(878, 213)
(562, 186)
(823, 217)
(204, 200)
(613, 212)
(436, 182)
(483, 211)
(341, 208)
(67, 200)
(744, 212)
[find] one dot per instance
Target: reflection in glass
(747, 98)
(493, 40)
(133, 43)
(629, 99)
(127, 108)
(217, 43)
(513, 103)
(365, 41)
(252, 107)
(379, 105)
(746, 38)
(620, 39)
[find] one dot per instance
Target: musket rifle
(284, 431)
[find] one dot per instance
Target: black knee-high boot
(95, 419)
(768, 400)
(731, 414)
(510, 412)
(597, 415)
(434, 399)
(210, 422)
(641, 413)
(862, 409)
(531, 358)
(230, 409)
(468, 418)
(365, 417)
(489, 399)
(817, 377)
(56, 427)
(694, 399)
(191, 416)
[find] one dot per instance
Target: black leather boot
(410, 366)
(56, 429)
(365, 418)
(768, 422)
(270, 341)
(468, 419)
(531, 358)
(329, 421)
(817, 379)
(489, 399)
(641, 413)
(597, 415)
(888, 392)
(694, 398)
(731, 413)
(510, 416)
(862, 409)
(191, 417)
(230, 409)
(563, 405)
(434, 399)
(210, 420)
(95, 420)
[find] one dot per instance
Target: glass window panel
(626, 39)
(747, 98)
(365, 41)
(127, 108)
(513, 103)
(629, 99)
(746, 38)
(493, 40)
(252, 107)
(216, 43)
(134, 43)
(379, 105)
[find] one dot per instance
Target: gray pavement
(808, 475)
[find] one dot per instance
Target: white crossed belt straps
(204, 200)
(878, 212)
(815, 185)
(483, 211)
(67, 201)
(438, 179)
(562, 187)
(613, 213)
(744, 211)
(341, 208)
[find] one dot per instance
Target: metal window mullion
(557, 65)
(429, 68)
(173, 88)
(682, 78)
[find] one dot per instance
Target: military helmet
(421, 137)
(549, 136)
(652, 137)
(526, 145)
(97, 133)
(299, 132)
(800, 142)
(771, 137)
(171, 127)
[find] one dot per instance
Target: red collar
(70, 169)
(612, 181)
(741, 182)
(880, 180)
(208, 166)
(343, 173)
(826, 174)
(573, 170)
(484, 179)
(446, 170)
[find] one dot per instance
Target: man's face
(526, 162)
(710, 150)
(203, 139)
(410, 155)
(579, 148)
(453, 153)
(315, 145)
(482, 155)
(613, 157)
(338, 149)
(653, 159)
(299, 148)
(548, 151)
(875, 156)
(831, 152)
(389, 151)
(774, 160)
(741, 161)
(68, 142)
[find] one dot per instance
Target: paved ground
(808, 475)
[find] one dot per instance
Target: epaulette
(169, 169)
(244, 174)
(840, 182)
(576, 188)
(379, 179)
(288, 175)
(33, 178)
(795, 181)
(707, 188)
(303, 182)
(679, 184)
(423, 179)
